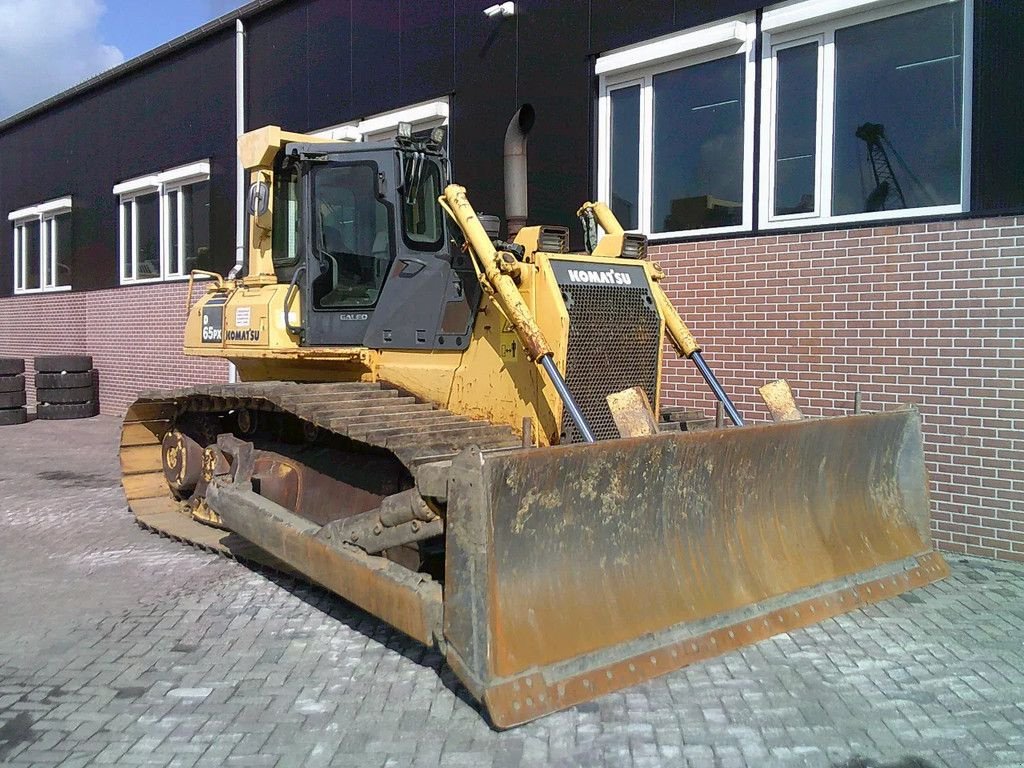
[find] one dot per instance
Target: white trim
(638, 65)
(185, 174)
(419, 113)
(51, 207)
(163, 184)
(422, 115)
(199, 171)
(728, 34)
(824, 18)
(44, 215)
(802, 13)
(134, 186)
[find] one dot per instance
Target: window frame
(638, 65)
(422, 116)
(804, 21)
(44, 215)
(163, 184)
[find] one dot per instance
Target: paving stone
(119, 647)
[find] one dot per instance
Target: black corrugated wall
(314, 63)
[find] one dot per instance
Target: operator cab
(360, 237)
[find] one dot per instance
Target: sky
(47, 46)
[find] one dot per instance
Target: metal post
(723, 398)
(563, 392)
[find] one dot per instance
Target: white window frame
(163, 184)
(422, 116)
(637, 65)
(45, 215)
(804, 21)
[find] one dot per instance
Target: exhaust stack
(515, 169)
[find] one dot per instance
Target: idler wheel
(247, 422)
(182, 460)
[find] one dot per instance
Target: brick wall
(928, 314)
(134, 335)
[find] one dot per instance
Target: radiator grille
(614, 340)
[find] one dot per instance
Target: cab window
(422, 222)
(352, 244)
(286, 216)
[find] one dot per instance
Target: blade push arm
(682, 339)
(495, 269)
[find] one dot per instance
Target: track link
(415, 432)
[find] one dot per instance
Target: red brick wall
(928, 314)
(134, 335)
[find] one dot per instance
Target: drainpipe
(515, 169)
(240, 215)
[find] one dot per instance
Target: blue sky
(47, 46)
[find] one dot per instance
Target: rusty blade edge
(527, 697)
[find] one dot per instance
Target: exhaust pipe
(515, 169)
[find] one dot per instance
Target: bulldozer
(460, 434)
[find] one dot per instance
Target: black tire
(58, 363)
(9, 416)
(11, 365)
(63, 380)
(57, 411)
(14, 383)
(66, 395)
(12, 399)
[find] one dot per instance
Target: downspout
(239, 170)
(516, 208)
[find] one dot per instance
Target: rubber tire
(63, 380)
(10, 416)
(14, 383)
(12, 399)
(66, 394)
(59, 411)
(11, 365)
(58, 363)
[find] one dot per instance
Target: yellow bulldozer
(459, 434)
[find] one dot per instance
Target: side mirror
(258, 200)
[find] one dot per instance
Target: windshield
(351, 237)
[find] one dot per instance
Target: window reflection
(796, 129)
(625, 155)
(898, 110)
(698, 146)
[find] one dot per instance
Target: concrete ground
(120, 647)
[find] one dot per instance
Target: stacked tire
(66, 387)
(12, 391)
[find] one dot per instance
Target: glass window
(676, 132)
(61, 257)
(127, 239)
(165, 223)
(351, 236)
(624, 165)
(147, 236)
(899, 101)
(173, 232)
(421, 213)
(195, 226)
(883, 98)
(796, 129)
(30, 260)
(697, 166)
(286, 217)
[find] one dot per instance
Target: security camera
(501, 9)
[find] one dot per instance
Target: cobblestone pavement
(120, 647)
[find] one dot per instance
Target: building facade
(835, 188)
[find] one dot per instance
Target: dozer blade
(579, 570)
